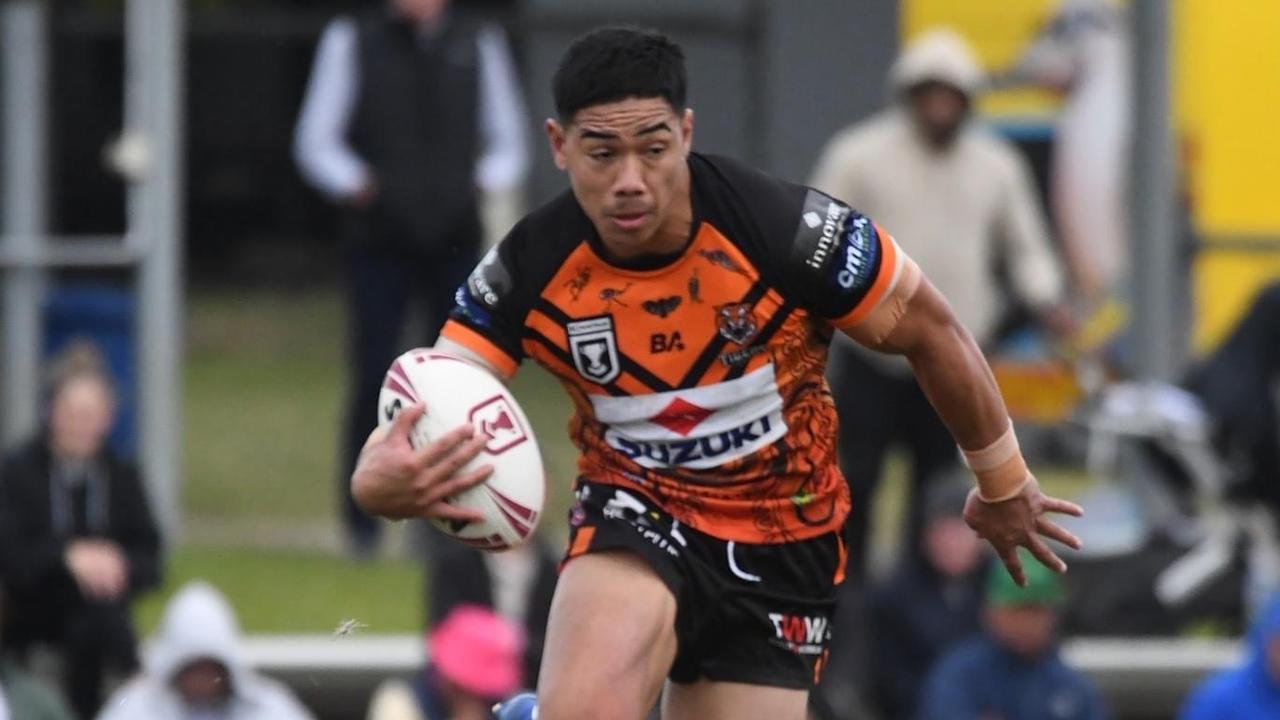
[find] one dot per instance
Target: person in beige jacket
(959, 200)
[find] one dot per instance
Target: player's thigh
(706, 700)
(610, 640)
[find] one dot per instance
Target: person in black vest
(410, 112)
(77, 539)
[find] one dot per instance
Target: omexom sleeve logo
(859, 254)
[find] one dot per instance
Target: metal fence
(150, 246)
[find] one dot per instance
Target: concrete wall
(828, 61)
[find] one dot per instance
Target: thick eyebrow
(597, 135)
(588, 134)
(656, 127)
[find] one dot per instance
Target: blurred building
(247, 68)
(1224, 99)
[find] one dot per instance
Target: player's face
(627, 164)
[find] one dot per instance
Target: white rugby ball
(457, 391)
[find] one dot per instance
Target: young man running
(686, 302)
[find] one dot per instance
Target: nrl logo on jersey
(594, 348)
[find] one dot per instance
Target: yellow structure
(1228, 95)
(1227, 100)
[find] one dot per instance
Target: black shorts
(757, 614)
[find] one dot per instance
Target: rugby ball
(458, 391)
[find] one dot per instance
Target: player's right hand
(396, 480)
(1022, 521)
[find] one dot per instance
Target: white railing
(1140, 677)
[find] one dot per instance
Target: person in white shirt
(411, 112)
(959, 200)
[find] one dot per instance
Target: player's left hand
(1022, 520)
(396, 480)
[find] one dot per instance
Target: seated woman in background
(77, 539)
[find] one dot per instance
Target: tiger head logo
(736, 322)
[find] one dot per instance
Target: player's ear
(686, 129)
(556, 136)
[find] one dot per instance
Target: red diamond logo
(681, 416)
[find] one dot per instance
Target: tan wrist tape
(1000, 468)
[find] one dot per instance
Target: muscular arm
(949, 367)
(916, 322)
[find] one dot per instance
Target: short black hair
(614, 63)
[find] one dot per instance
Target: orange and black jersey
(698, 379)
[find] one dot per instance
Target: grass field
(264, 393)
(264, 389)
(293, 591)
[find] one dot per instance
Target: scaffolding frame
(151, 244)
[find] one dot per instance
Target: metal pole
(23, 43)
(1158, 353)
(154, 32)
(755, 41)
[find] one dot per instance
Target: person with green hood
(1013, 670)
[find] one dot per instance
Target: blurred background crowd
(222, 219)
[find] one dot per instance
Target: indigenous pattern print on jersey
(698, 379)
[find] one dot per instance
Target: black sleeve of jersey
(821, 254)
(489, 302)
(833, 255)
(500, 292)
